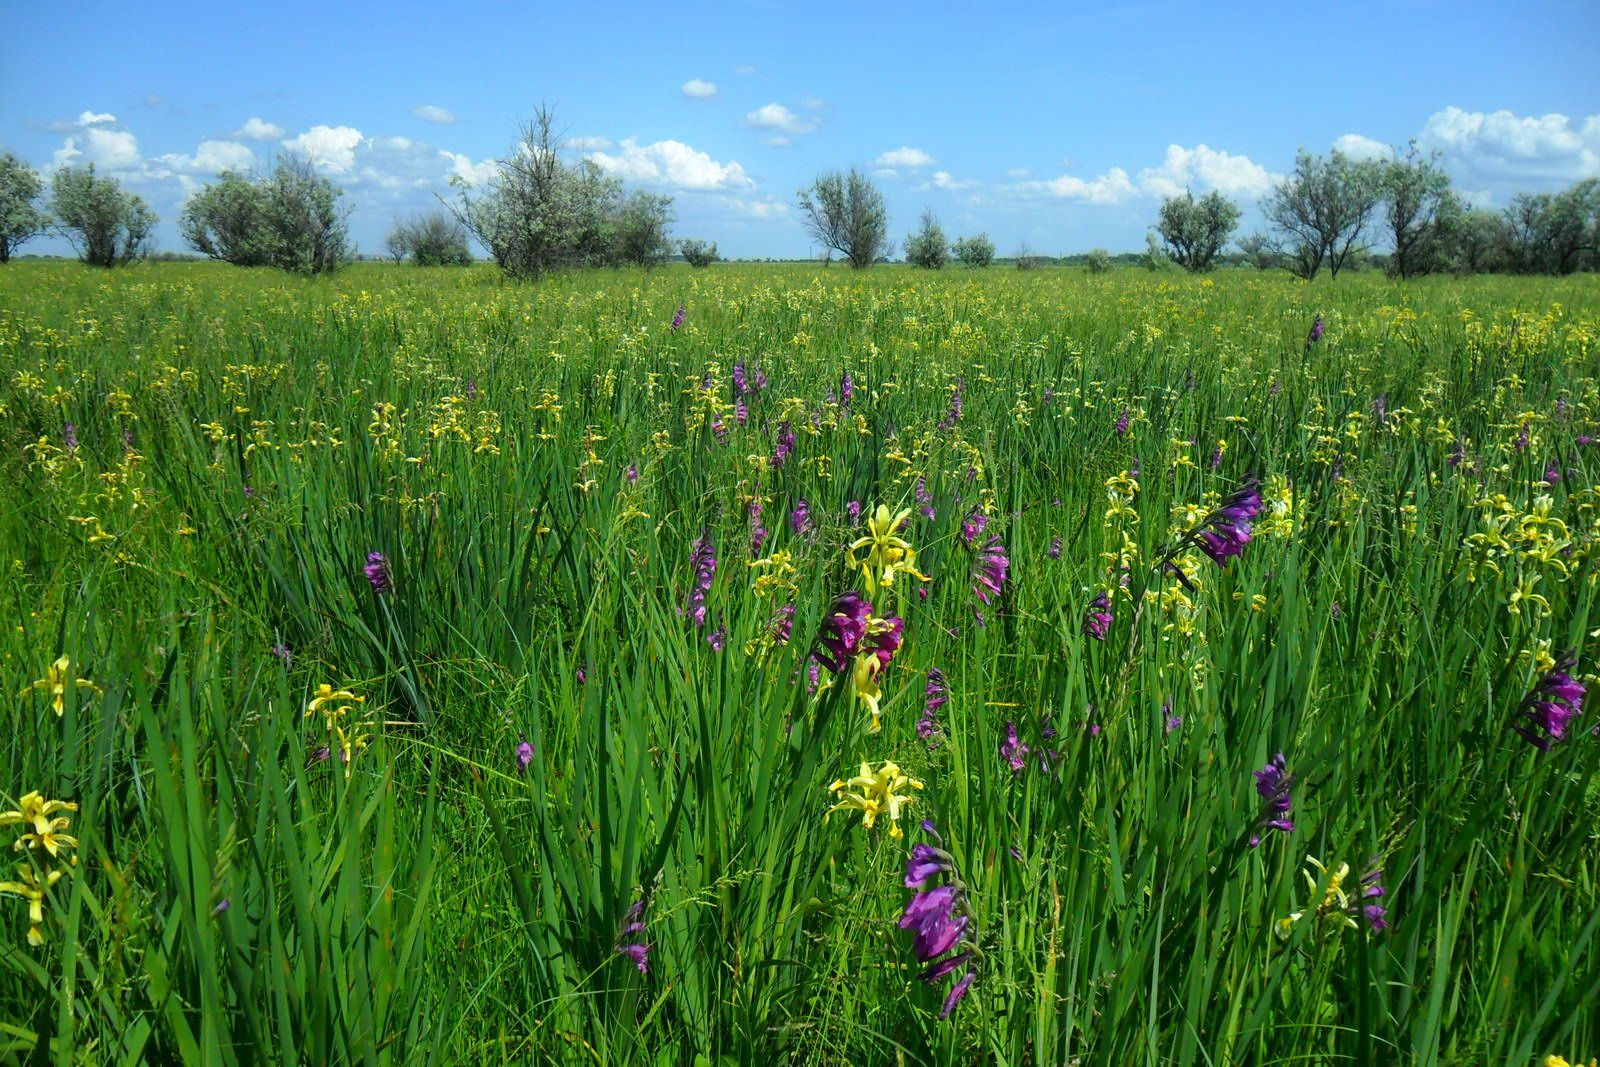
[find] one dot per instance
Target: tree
(847, 213)
(542, 211)
(1195, 230)
(926, 247)
(1260, 251)
(697, 253)
(1098, 260)
(974, 251)
(1322, 211)
(1418, 204)
(1474, 241)
(436, 239)
(108, 226)
(1155, 257)
(1026, 258)
(636, 230)
(1553, 233)
(289, 218)
(20, 215)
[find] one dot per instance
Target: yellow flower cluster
(44, 840)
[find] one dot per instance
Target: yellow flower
(1560, 1061)
(350, 735)
(57, 680)
(878, 794)
(32, 890)
(35, 812)
(888, 553)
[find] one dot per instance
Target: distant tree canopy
(846, 213)
(289, 218)
(1196, 230)
(926, 247)
(697, 253)
(435, 239)
(545, 210)
(21, 214)
(1323, 210)
(109, 226)
(977, 251)
(1098, 260)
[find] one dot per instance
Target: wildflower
(43, 825)
(1372, 889)
(1224, 532)
(881, 641)
(939, 919)
(972, 527)
(1336, 904)
(281, 650)
(878, 794)
(630, 941)
(1172, 721)
(718, 638)
(935, 696)
(1122, 423)
(1551, 706)
(1522, 438)
(758, 533)
(524, 754)
(785, 444)
(1273, 782)
(842, 631)
(1054, 551)
(32, 889)
(800, 518)
(989, 565)
(741, 385)
(677, 320)
(1380, 409)
(69, 437)
(1560, 1061)
(847, 390)
(703, 560)
(1097, 619)
(1552, 472)
(58, 678)
(349, 732)
(952, 415)
(888, 553)
(1315, 333)
(377, 571)
(1013, 751)
(853, 509)
(924, 498)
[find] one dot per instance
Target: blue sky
(1061, 125)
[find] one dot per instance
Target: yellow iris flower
(31, 889)
(887, 553)
(57, 680)
(878, 794)
(44, 826)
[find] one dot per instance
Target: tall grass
(243, 441)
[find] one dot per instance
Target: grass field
(562, 792)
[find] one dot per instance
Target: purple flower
(69, 436)
(1054, 551)
(785, 444)
(1554, 702)
(957, 991)
(741, 387)
(989, 565)
(936, 695)
(639, 953)
(952, 415)
(1552, 472)
(741, 412)
(925, 862)
(1315, 334)
(842, 631)
(677, 320)
(1224, 533)
(1173, 721)
(1457, 454)
(847, 390)
(632, 473)
(1372, 890)
(628, 942)
(1380, 409)
(800, 518)
(281, 650)
(939, 919)
(703, 561)
(924, 498)
(718, 638)
(972, 527)
(524, 754)
(853, 509)
(377, 571)
(1013, 751)
(1097, 620)
(472, 386)
(1272, 783)
(1122, 423)
(1522, 438)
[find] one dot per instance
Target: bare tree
(436, 239)
(847, 213)
(1322, 211)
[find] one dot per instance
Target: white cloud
(473, 173)
(888, 174)
(1208, 168)
(591, 144)
(330, 147)
(212, 157)
(812, 103)
(431, 113)
(255, 129)
(110, 149)
(776, 142)
(778, 117)
(764, 208)
(910, 158)
(744, 69)
(1504, 145)
(95, 118)
(944, 180)
(1112, 187)
(671, 163)
(1356, 146)
(695, 89)
(1020, 172)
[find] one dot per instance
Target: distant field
(563, 793)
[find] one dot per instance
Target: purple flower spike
(1554, 702)
(524, 755)
(377, 571)
(703, 559)
(1097, 620)
(957, 991)
(677, 320)
(1272, 783)
(842, 631)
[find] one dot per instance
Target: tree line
(545, 209)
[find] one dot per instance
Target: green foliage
(289, 219)
(1195, 231)
(436, 239)
(537, 462)
(1419, 211)
(975, 251)
(1260, 251)
(846, 213)
(636, 232)
(1322, 212)
(926, 248)
(1098, 260)
(21, 216)
(109, 226)
(698, 253)
(1554, 233)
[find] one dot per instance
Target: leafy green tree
(697, 253)
(977, 251)
(1155, 258)
(108, 226)
(226, 220)
(1322, 212)
(21, 217)
(436, 239)
(1554, 233)
(846, 212)
(636, 230)
(926, 248)
(1196, 230)
(1474, 241)
(1260, 251)
(1098, 260)
(1418, 206)
(289, 218)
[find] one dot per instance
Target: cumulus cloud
(464, 168)
(695, 89)
(115, 150)
(212, 157)
(910, 158)
(95, 118)
(431, 113)
(591, 144)
(777, 117)
(671, 163)
(1199, 168)
(255, 129)
(1503, 145)
(1112, 187)
(1358, 147)
(332, 148)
